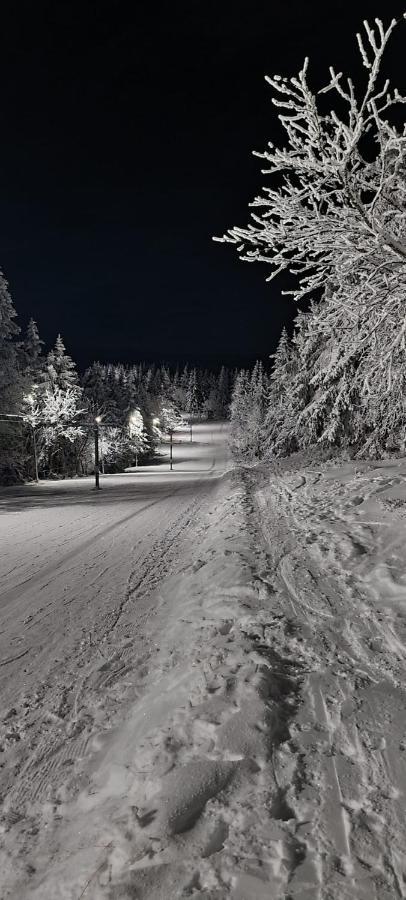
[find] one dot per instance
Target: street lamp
(97, 420)
(170, 431)
(34, 443)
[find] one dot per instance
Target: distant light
(98, 419)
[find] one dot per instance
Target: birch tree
(334, 216)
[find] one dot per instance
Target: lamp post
(97, 421)
(170, 449)
(34, 443)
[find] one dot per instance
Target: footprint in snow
(184, 794)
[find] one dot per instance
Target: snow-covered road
(73, 562)
(71, 557)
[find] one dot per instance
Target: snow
(212, 697)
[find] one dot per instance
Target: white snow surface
(203, 682)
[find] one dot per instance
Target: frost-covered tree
(62, 374)
(10, 375)
(59, 398)
(169, 418)
(280, 407)
(95, 389)
(218, 394)
(56, 418)
(121, 446)
(32, 409)
(12, 439)
(192, 397)
(335, 218)
(32, 347)
(239, 414)
(248, 404)
(223, 393)
(136, 432)
(258, 397)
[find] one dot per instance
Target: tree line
(45, 402)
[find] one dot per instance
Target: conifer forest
(45, 403)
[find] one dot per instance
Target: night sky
(126, 139)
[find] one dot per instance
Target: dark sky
(126, 139)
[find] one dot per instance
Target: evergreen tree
(94, 389)
(10, 377)
(192, 399)
(223, 394)
(256, 411)
(32, 347)
(280, 414)
(62, 372)
(239, 415)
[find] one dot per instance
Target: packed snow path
(72, 558)
(73, 561)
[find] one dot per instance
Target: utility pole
(190, 423)
(96, 453)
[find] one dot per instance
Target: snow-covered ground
(336, 538)
(209, 699)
